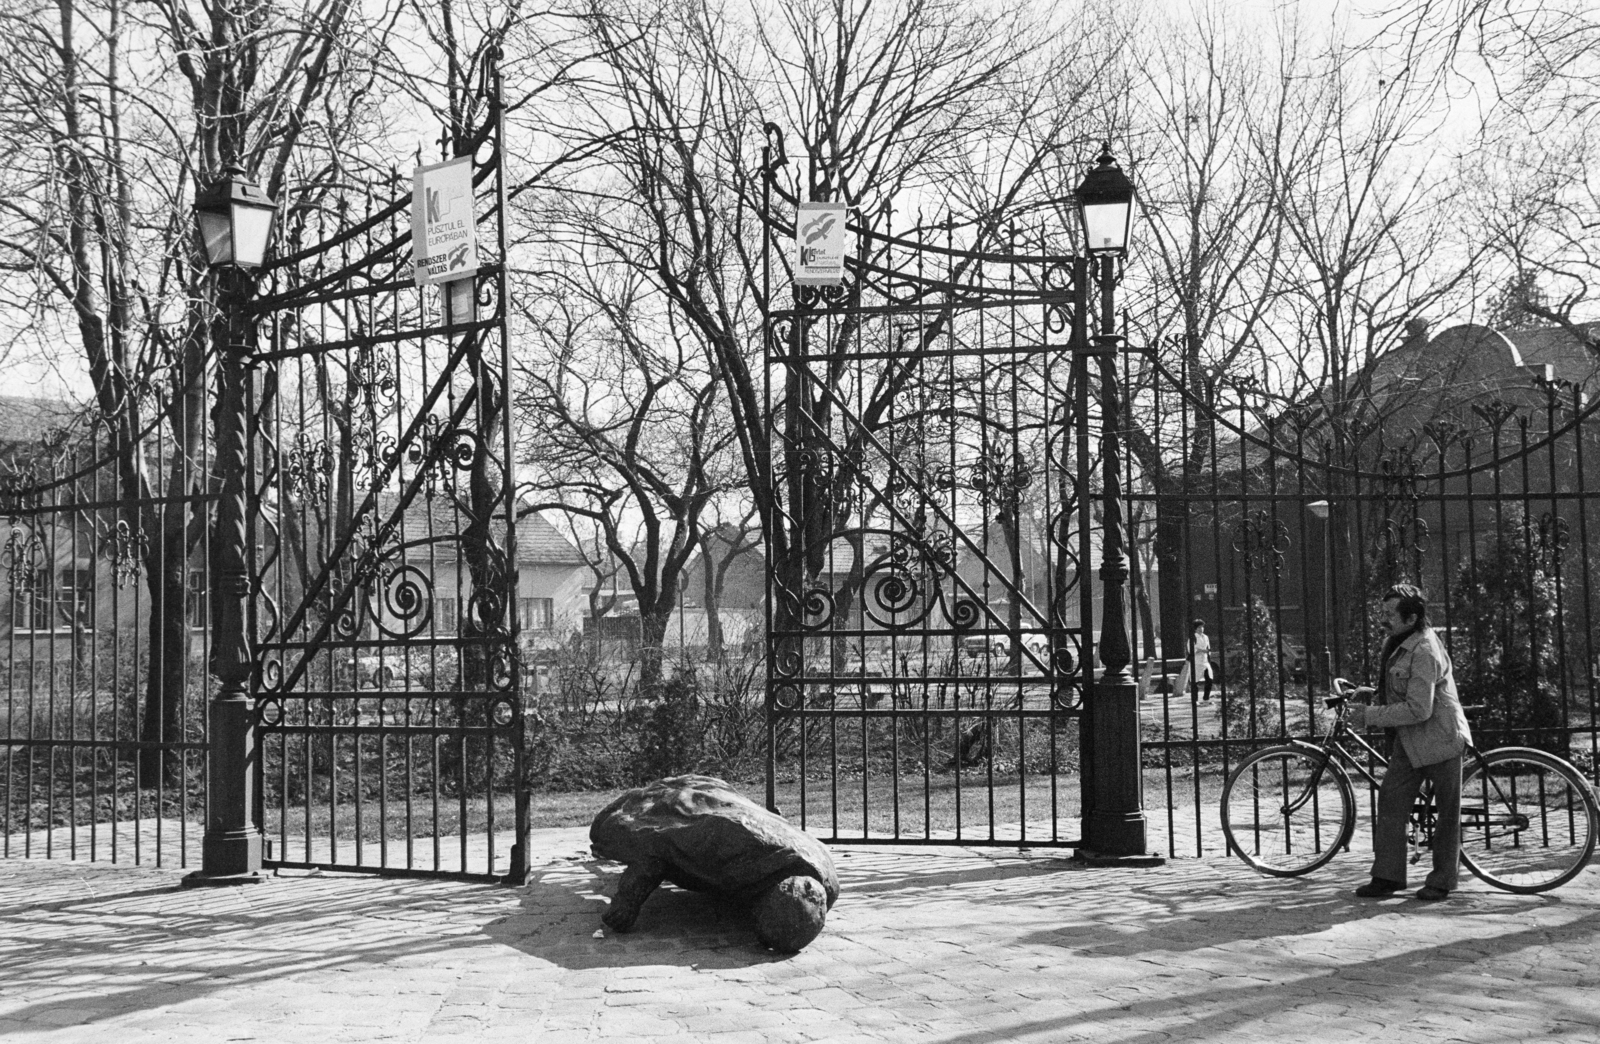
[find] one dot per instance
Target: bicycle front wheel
(1528, 819)
(1287, 810)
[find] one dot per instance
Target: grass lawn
(935, 807)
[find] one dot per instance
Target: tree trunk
(1172, 519)
(169, 657)
(652, 632)
(1141, 599)
(712, 596)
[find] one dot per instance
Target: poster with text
(819, 244)
(443, 230)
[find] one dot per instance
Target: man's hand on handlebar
(1345, 692)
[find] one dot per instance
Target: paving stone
(955, 946)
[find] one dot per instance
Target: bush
(1506, 603)
(596, 728)
(1252, 693)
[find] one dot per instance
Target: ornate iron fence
(103, 633)
(1280, 528)
(931, 619)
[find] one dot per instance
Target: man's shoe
(1377, 888)
(1430, 894)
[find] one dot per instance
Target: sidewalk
(944, 945)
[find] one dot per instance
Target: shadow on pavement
(863, 872)
(1163, 914)
(147, 943)
(558, 920)
(1441, 971)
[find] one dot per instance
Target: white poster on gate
(444, 240)
(819, 244)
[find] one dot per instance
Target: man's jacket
(1420, 702)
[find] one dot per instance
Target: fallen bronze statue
(700, 834)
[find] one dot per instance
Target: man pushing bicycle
(1417, 703)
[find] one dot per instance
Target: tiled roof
(1557, 348)
(538, 542)
(24, 420)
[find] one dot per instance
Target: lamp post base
(1089, 857)
(228, 857)
(202, 879)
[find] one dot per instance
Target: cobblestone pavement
(935, 944)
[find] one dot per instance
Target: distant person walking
(1428, 732)
(1199, 661)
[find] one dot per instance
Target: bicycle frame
(1529, 818)
(1473, 817)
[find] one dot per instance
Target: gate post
(231, 848)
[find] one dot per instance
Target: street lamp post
(1114, 826)
(235, 221)
(1323, 510)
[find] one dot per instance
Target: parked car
(426, 668)
(999, 645)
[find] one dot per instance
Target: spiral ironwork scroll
(1261, 540)
(22, 555)
(373, 377)
(1405, 531)
(126, 546)
(406, 601)
(19, 492)
(307, 466)
(1553, 539)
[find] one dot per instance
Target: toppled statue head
(791, 914)
(698, 833)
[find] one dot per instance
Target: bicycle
(1528, 818)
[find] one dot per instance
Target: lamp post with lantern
(235, 219)
(1114, 824)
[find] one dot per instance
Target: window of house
(444, 616)
(537, 614)
(30, 599)
(74, 600)
(46, 600)
(195, 605)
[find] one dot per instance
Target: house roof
(538, 542)
(24, 420)
(1568, 358)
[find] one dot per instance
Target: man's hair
(1412, 601)
(1197, 623)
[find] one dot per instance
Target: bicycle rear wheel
(1287, 810)
(1528, 819)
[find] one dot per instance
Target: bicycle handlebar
(1343, 690)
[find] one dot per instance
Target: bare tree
(624, 428)
(113, 115)
(1532, 68)
(722, 545)
(1216, 140)
(920, 105)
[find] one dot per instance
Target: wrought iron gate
(388, 683)
(927, 634)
